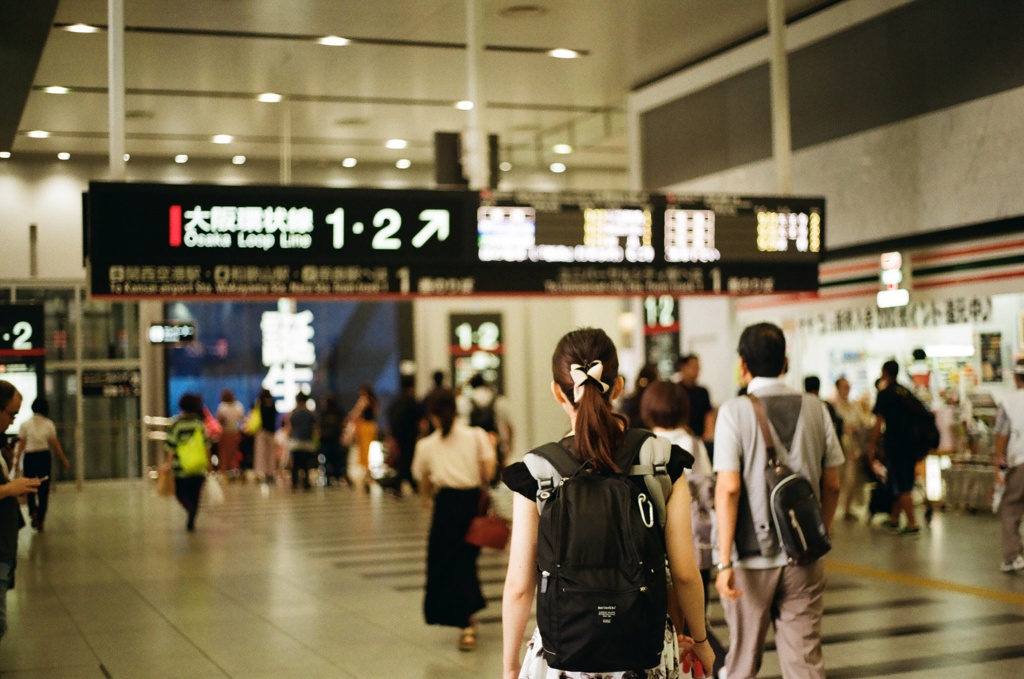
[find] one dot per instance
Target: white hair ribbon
(580, 377)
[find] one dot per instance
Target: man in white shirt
(756, 584)
(1010, 451)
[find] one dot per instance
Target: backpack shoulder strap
(766, 429)
(649, 455)
(549, 464)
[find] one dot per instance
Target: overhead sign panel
(160, 241)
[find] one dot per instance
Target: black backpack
(922, 431)
(484, 417)
(601, 583)
(795, 508)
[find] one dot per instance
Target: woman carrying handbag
(449, 465)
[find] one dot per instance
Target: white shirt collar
(761, 383)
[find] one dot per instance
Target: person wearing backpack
(188, 454)
(590, 539)
(756, 578)
(894, 411)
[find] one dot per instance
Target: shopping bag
(214, 491)
(212, 425)
(255, 422)
(165, 481)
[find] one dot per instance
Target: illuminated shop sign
(170, 241)
(895, 281)
(922, 314)
(172, 333)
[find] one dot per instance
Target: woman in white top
(451, 465)
(38, 435)
(854, 438)
(231, 415)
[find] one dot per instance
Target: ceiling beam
(24, 27)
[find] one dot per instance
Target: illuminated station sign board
(168, 241)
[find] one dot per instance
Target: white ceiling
(186, 87)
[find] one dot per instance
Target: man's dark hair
(7, 392)
(477, 381)
(684, 359)
(301, 397)
(891, 369)
(919, 354)
(191, 404)
(812, 385)
(438, 378)
(408, 382)
(763, 348)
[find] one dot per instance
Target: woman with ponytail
(452, 465)
(585, 372)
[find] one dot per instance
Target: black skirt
(453, 585)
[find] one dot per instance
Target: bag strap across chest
(641, 454)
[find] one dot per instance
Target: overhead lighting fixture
(238, 160)
(38, 134)
(334, 41)
(222, 139)
(56, 89)
(505, 166)
(562, 149)
(464, 105)
(403, 164)
(558, 168)
(181, 158)
(63, 155)
(562, 53)
(270, 97)
(82, 28)
(5, 154)
(349, 162)
(396, 143)
(127, 157)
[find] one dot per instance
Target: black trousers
(37, 464)
(453, 591)
(187, 490)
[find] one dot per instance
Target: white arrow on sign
(437, 221)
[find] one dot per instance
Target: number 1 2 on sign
(388, 223)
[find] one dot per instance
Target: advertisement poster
(991, 356)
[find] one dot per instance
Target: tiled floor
(327, 584)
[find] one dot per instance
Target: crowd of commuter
(712, 520)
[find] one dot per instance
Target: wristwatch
(719, 567)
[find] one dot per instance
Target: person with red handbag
(450, 465)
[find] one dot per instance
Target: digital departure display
(158, 241)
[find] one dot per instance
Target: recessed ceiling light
(505, 166)
(63, 155)
(270, 97)
(127, 157)
(56, 89)
(561, 53)
(222, 139)
(464, 105)
(403, 164)
(349, 162)
(238, 160)
(562, 149)
(334, 41)
(38, 134)
(181, 158)
(396, 143)
(558, 168)
(5, 154)
(81, 28)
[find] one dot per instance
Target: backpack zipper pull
(544, 581)
(648, 517)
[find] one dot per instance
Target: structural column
(115, 87)
(782, 145)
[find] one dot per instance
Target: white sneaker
(1016, 565)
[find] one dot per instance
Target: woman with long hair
(264, 446)
(231, 415)
(585, 371)
(362, 430)
(452, 465)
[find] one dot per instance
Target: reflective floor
(328, 584)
